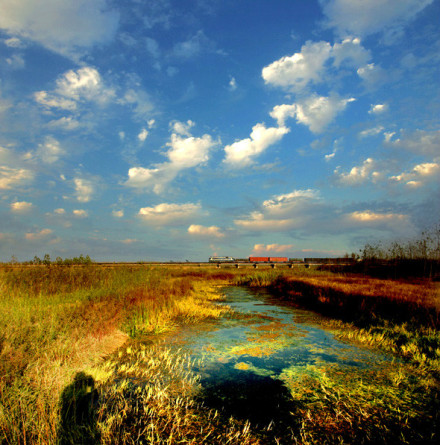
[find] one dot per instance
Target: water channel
(248, 361)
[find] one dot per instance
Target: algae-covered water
(252, 360)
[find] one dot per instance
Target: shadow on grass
(246, 396)
(78, 424)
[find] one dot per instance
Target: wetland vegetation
(84, 357)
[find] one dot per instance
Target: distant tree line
(46, 261)
(416, 257)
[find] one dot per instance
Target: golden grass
(57, 321)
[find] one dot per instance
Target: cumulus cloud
(372, 75)
(242, 153)
(316, 112)
(310, 66)
(350, 53)
(419, 141)
(365, 17)
(203, 231)
(118, 213)
(418, 176)
(184, 152)
(84, 188)
(21, 207)
(359, 174)
(142, 136)
(63, 26)
(277, 248)
(169, 214)
(35, 236)
(50, 151)
(393, 222)
(283, 212)
(80, 213)
(297, 71)
(14, 177)
(378, 109)
(12, 172)
(82, 85)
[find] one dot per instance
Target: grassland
(68, 374)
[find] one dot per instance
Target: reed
(56, 321)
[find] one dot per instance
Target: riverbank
(59, 322)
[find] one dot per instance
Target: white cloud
(60, 211)
(393, 222)
(359, 174)
(35, 236)
(194, 46)
(418, 176)
(202, 231)
(50, 151)
(316, 112)
(350, 53)
(118, 213)
(190, 151)
(54, 101)
(419, 141)
(282, 112)
(185, 151)
(14, 42)
(278, 248)
(84, 189)
(365, 17)
(80, 213)
(64, 123)
(169, 214)
(372, 75)
(74, 87)
(12, 174)
(21, 207)
(63, 26)
(232, 84)
(182, 128)
(139, 101)
(310, 66)
(283, 212)
(242, 153)
(14, 177)
(297, 71)
(371, 131)
(378, 109)
(142, 136)
(16, 62)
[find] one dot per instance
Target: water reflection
(248, 360)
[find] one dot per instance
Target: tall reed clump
(57, 320)
(148, 395)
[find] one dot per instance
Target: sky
(173, 130)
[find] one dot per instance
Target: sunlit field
(80, 362)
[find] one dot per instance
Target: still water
(248, 360)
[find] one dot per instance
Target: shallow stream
(249, 360)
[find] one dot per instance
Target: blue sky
(178, 129)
